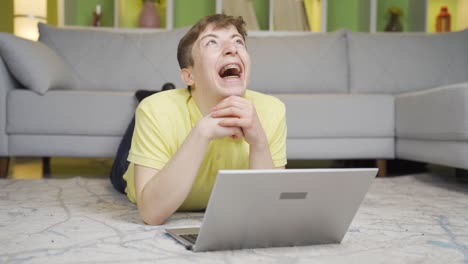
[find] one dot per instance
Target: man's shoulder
(264, 101)
(166, 99)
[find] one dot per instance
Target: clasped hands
(234, 117)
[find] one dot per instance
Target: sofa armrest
(435, 114)
(7, 83)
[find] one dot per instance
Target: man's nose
(230, 49)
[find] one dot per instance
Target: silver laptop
(276, 208)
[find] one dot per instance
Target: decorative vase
(443, 20)
(97, 16)
(149, 16)
(394, 24)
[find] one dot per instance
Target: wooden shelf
(325, 15)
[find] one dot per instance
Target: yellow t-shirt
(164, 120)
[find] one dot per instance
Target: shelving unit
(115, 8)
(328, 15)
(420, 15)
(265, 11)
(172, 12)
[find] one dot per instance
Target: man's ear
(186, 76)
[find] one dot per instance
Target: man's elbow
(154, 222)
(151, 219)
(149, 215)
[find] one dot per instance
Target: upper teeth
(230, 66)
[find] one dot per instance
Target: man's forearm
(167, 190)
(260, 157)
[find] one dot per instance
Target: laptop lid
(273, 208)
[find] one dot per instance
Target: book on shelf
(313, 14)
(290, 15)
(244, 8)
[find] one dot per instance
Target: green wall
(416, 16)
(52, 12)
(350, 14)
(80, 13)
(364, 10)
(6, 16)
(187, 12)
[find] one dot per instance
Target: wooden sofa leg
(4, 161)
(382, 165)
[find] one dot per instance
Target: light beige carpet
(420, 218)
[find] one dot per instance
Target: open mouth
(230, 71)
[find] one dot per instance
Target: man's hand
(238, 112)
(209, 127)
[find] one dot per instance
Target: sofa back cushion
(121, 61)
(400, 62)
(316, 62)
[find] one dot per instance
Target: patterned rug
(419, 218)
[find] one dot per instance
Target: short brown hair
(184, 50)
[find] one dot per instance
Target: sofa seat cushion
(69, 112)
(341, 148)
(338, 115)
(447, 153)
(435, 114)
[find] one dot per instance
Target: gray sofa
(348, 95)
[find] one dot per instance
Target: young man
(182, 137)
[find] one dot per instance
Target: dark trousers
(120, 165)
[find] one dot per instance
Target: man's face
(221, 62)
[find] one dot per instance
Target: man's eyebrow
(236, 35)
(216, 36)
(209, 35)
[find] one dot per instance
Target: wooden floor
(31, 168)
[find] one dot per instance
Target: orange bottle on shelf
(443, 20)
